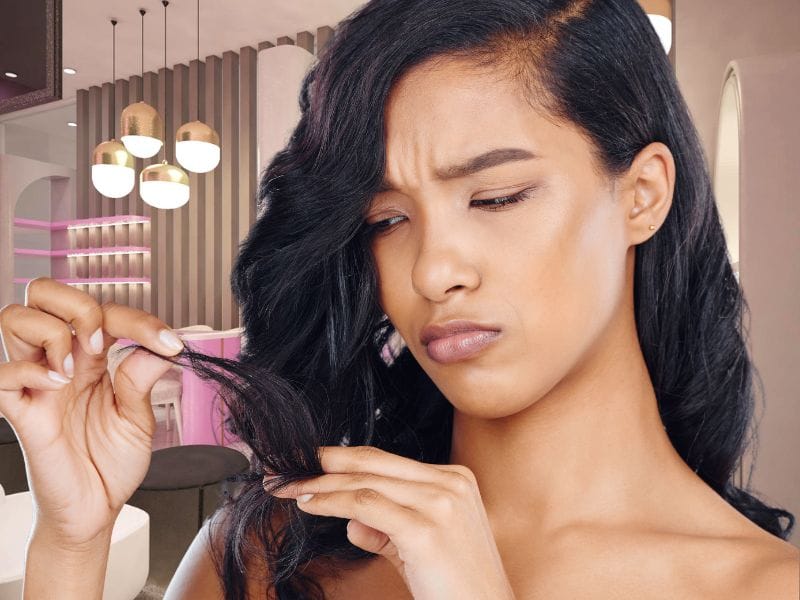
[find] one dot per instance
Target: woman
(514, 190)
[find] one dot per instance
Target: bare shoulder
(773, 570)
(196, 577)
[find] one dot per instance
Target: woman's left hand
(428, 520)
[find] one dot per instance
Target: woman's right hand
(87, 445)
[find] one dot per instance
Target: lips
(457, 340)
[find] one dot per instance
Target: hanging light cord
(198, 58)
(113, 76)
(142, 12)
(164, 2)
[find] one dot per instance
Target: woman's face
(548, 271)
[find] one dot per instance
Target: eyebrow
(489, 159)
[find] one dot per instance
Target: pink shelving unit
(97, 251)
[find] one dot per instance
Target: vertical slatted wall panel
(136, 262)
(178, 241)
(149, 95)
(229, 217)
(197, 181)
(120, 264)
(212, 288)
(248, 175)
(161, 220)
(83, 179)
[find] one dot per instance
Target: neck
(592, 450)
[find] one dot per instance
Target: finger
(122, 321)
(368, 538)
(371, 508)
(133, 383)
(32, 335)
(19, 375)
(369, 459)
(70, 305)
(411, 494)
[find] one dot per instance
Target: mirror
(30, 53)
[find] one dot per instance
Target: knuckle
(33, 283)
(9, 310)
(366, 496)
(463, 479)
(90, 311)
(444, 504)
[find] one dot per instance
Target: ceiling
(224, 25)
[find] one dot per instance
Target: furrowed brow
(487, 160)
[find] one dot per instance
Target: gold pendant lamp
(112, 165)
(141, 126)
(197, 144)
(164, 185)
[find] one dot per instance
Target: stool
(12, 463)
(183, 486)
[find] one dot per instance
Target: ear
(648, 187)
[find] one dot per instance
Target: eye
(385, 225)
(496, 203)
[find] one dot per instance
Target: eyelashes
(492, 204)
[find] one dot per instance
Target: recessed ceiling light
(11, 74)
(69, 71)
(72, 124)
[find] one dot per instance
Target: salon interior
(132, 136)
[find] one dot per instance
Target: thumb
(133, 381)
(375, 541)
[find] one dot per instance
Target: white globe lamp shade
(142, 145)
(164, 186)
(112, 170)
(197, 147)
(141, 129)
(663, 27)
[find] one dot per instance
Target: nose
(445, 262)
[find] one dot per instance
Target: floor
(166, 438)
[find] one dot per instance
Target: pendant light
(112, 166)
(142, 129)
(197, 144)
(164, 185)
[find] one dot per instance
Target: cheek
(563, 276)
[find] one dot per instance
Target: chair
(128, 557)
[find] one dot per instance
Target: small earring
(652, 227)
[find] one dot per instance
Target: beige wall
(762, 39)
(711, 33)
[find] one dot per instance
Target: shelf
(80, 223)
(92, 281)
(37, 252)
(73, 252)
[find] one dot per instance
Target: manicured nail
(304, 497)
(96, 341)
(69, 365)
(57, 377)
(170, 340)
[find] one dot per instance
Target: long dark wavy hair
(313, 369)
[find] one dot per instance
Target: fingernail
(170, 340)
(57, 377)
(69, 365)
(96, 341)
(304, 497)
